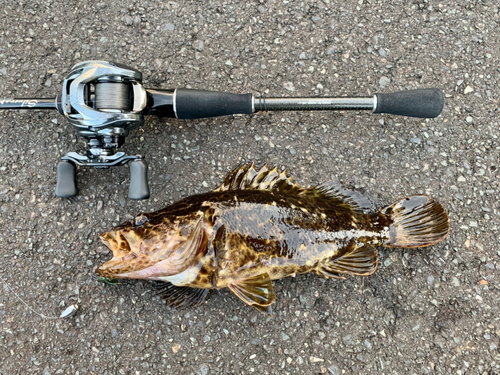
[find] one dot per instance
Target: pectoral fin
(256, 291)
(181, 296)
(359, 261)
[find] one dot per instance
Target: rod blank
(9, 103)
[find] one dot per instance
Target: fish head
(152, 247)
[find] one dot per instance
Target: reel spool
(103, 101)
(113, 97)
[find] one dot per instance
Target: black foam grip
(191, 104)
(66, 180)
(138, 188)
(423, 103)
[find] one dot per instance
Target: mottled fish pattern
(260, 226)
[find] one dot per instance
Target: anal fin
(266, 310)
(181, 296)
(359, 261)
(255, 291)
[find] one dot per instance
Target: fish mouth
(134, 255)
(118, 242)
(125, 248)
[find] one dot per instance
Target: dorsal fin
(334, 189)
(247, 178)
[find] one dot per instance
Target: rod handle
(190, 104)
(423, 103)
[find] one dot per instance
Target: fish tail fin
(416, 221)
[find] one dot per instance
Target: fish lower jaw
(116, 268)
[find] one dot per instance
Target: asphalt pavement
(424, 311)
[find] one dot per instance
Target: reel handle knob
(138, 188)
(66, 180)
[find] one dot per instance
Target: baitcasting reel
(104, 101)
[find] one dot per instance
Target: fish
(259, 226)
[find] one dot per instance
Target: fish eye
(140, 220)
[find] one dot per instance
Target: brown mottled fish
(258, 227)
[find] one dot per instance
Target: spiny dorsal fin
(358, 261)
(247, 178)
(181, 296)
(334, 189)
(255, 291)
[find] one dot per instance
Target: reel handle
(423, 103)
(138, 188)
(66, 180)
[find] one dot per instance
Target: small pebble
(127, 20)
(315, 359)
(289, 86)
(384, 81)
(415, 140)
(203, 370)
(347, 339)
(430, 280)
(198, 44)
(169, 27)
(71, 310)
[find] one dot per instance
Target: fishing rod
(104, 101)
